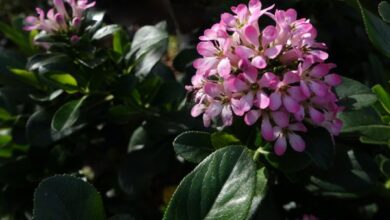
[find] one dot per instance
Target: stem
(259, 152)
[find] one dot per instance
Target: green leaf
(117, 42)
(378, 31)
(122, 217)
(66, 197)
(320, 147)
(26, 76)
(63, 81)
(221, 187)
(260, 191)
(354, 95)
(193, 146)
(352, 120)
(148, 46)
(222, 139)
(291, 161)
(67, 115)
(353, 174)
(384, 11)
(106, 31)
(16, 36)
(5, 115)
(384, 165)
(39, 132)
(383, 96)
(376, 132)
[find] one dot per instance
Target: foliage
(101, 128)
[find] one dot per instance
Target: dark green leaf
(291, 161)
(193, 146)
(65, 198)
(320, 147)
(383, 96)
(260, 191)
(384, 11)
(354, 95)
(362, 117)
(221, 187)
(378, 31)
(222, 139)
(106, 31)
(122, 217)
(148, 46)
(67, 115)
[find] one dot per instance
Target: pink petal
(266, 129)
(259, 62)
(290, 104)
(316, 116)
(234, 84)
(276, 101)
(251, 117)
(305, 89)
(206, 49)
(269, 80)
(291, 77)
(281, 118)
(296, 142)
(296, 93)
(321, 70)
(298, 127)
(280, 146)
(242, 105)
(252, 35)
(300, 114)
(214, 109)
(269, 35)
(254, 5)
(319, 55)
(319, 89)
(228, 19)
(213, 89)
(262, 100)
(206, 120)
(197, 110)
(227, 115)
(333, 79)
(244, 52)
(273, 52)
(224, 68)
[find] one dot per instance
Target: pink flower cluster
(57, 19)
(276, 76)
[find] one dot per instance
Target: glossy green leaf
(222, 139)
(384, 11)
(66, 116)
(354, 95)
(352, 120)
(148, 46)
(221, 187)
(106, 31)
(353, 174)
(63, 81)
(378, 31)
(376, 132)
(320, 147)
(66, 197)
(17, 36)
(39, 132)
(193, 146)
(260, 192)
(383, 96)
(26, 76)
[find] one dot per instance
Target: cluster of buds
(58, 19)
(275, 77)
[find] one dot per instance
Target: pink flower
(275, 78)
(58, 19)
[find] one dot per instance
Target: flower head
(58, 19)
(276, 77)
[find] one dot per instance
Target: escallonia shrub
(90, 111)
